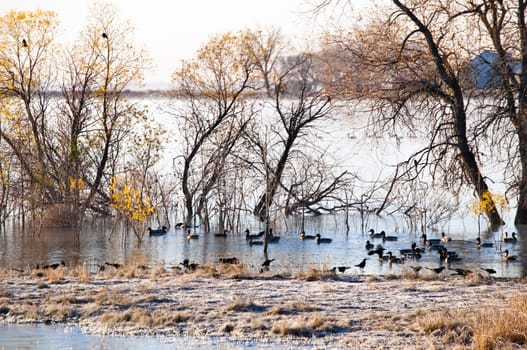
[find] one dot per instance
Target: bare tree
(414, 63)
(213, 85)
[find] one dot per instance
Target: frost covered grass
(319, 307)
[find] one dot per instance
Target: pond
(39, 336)
(93, 247)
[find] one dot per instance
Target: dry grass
(243, 305)
(291, 309)
(490, 328)
(496, 329)
(302, 327)
(316, 275)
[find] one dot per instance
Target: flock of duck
(438, 245)
(413, 253)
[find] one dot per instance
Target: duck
(508, 257)
(342, 268)
(480, 244)
(448, 256)
(267, 262)
(508, 239)
(488, 270)
(362, 264)
(304, 236)
(190, 266)
(157, 232)
(416, 249)
(192, 236)
(55, 265)
(379, 251)
(461, 272)
(437, 270)
(445, 238)
(229, 260)
(271, 238)
(387, 238)
(221, 234)
(394, 259)
(248, 235)
(323, 240)
(369, 245)
(375, 235)
(115, 265)
(416, 268)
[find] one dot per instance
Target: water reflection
(39, 336)
(92, 247)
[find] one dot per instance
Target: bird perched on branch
(24, 42)
(105, 36)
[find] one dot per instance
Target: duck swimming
(387, 238)
(508, 239)
(375, 235)
(323, 240)
(480, 244)
(445, 238)
(508, 257)
(304, 236)
(192, 236)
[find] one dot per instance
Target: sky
(171, 31)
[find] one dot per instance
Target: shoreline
(311, 310)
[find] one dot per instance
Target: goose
(488, 270)
(230, 260)
(221, 234)
(379, 251)
(158, 232)
(462, 272)
(362, 264)
(342, 268)
(115, 265)
(192, 236)
(271, 238)
(445, 238)
(267, 262)
(55, 265)
(304, 236)
(323, 240)
(190, 266)
(248, 235)
(508, 239)
(387, 238)
(437, 270)
(375, 235)
(393, 259)
(416, 268)
(479, 244)
(508, 257)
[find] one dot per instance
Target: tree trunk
(521, 212)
